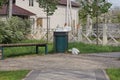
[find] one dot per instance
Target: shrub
(14, 29)
(2, 30)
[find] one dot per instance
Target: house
(30, 9)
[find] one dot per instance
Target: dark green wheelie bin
(60, 41)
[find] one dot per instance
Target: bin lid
(63, 29)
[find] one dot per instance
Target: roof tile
(16, 11)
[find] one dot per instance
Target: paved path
(109, 55)
(63, 66)
(67, 75)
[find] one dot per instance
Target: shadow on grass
(18, 54)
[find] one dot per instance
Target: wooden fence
(106, 36)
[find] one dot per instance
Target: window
(31, 3)
(14, 1)
(39, 22)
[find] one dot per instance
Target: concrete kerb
(28, 74)
(106, 75)
(101, 75)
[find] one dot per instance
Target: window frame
(31, 2)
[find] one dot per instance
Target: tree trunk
(10, 8)
(88, 25)
(89, 21)
(47, 25)
(97, 29)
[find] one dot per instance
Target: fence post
(79, 33)
(105, 40)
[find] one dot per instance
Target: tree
(49, 7)
(94, 8)
(2, 2)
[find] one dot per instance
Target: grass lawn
(21, 51)
(92, 48)
(84, 48)
(13, 75)
(114, 74)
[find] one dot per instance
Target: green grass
(114, 74)
(22, 51)
(84, 48)
(13, 75)
(91, 48)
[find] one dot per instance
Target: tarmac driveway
(59, 61)
(63, 66)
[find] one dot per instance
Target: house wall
(35, 9)
(57, 19)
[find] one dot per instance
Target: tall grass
(92, 48)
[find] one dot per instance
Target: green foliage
(99, 7)
(3, 2)
(2, 30)
(114, 74)
(48, 5)
(13, 30)
(19, 24)
(13, 75)
(94, 8)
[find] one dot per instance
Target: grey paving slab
(111, 55)
(100, 75)
(66, 75)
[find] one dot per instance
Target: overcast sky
(115, 2)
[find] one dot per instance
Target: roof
(64, 2)
(16, 11)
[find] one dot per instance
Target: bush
(13, 30)
(2, 29)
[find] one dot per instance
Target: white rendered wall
(57, 19)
